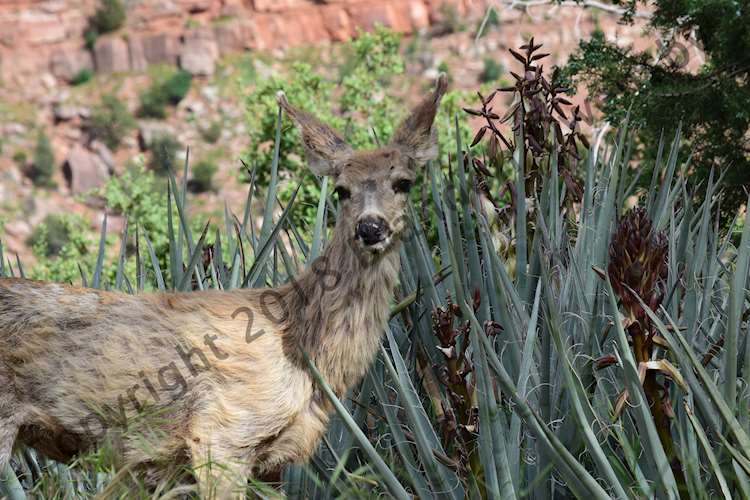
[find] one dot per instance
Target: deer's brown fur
(213, 377)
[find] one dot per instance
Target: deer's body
(205, 377)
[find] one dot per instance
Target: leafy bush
(491, 71)
(20, 158)
(367, 111)
(51, 235)
(212, 133)
(177, 86)
(82, 76)
(161, 93)
(61, 244)
(164, 149)
(153, 103)
(109, 16)
(203, 176)
(110, 121)
(43, 167)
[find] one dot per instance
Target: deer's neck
(338, 308)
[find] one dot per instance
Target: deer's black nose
(371, 230)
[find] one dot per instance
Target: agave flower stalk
(638, 268)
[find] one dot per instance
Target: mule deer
(171, 378)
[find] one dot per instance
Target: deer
(218, 381)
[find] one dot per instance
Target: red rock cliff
(41, 37)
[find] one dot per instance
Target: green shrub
(89, 38)
(203, 176)
(20, 158)
(61, 244)
(162, 93)
(43, 167)
(110, 121)
(450, 19)
(153, 103)
(491, 71)
(164, 149)
(177, 86)
(51, 235)
(82, 76)
(109, 16)
(212, 133)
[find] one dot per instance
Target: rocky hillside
(38, 37)
(225, 46)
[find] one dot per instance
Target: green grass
(540, 413)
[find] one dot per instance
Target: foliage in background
(110, 121)
(109, 16)
(491, 71)
(61, 244)
(165, 91)
(51, 235)
(369, 111)
(43, 166)
(164, 149)
(82, 76)
(659, 90)
(212, 133)
(202, 179)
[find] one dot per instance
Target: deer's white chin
(377, 248)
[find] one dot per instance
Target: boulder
(150, 130)
(137, 55)
(228, 35)
(67, 112)
(278, 5)
(336, 21)
(67, 64)
(84, 170)
(367, 15)
(161, 48)
(104, 154)
(111, 55)
(199, 52)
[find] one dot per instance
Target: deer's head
(372, 186)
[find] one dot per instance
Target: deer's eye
(342, 193)
(402, 186)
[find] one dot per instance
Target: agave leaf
(123, 255)
(155, 263)
(712, 460)
(391, 482)
(96, 279)
(196, 254)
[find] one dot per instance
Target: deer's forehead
(372, 166)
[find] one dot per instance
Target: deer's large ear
(416, 137)
(323, 145)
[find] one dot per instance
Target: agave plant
(487, 384)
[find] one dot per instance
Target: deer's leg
(221, 473)
(10, 415)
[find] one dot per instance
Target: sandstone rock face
(66, 64)
(199, 52)
(84, 170)
(111, 55)
(46, 37)
(160, 48)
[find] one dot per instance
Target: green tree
(712, 104)
(110, 121)
(109, 16)
(44, 162)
